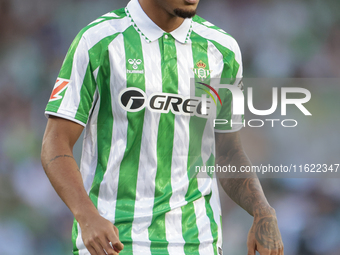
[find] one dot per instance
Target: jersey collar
(149, 30)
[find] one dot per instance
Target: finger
(91, 250)
(118, 246)
(116, 230)
(114, 239)
(109, 249)
(98, 248)
(251, 245)
(251, 250)
(114, 248)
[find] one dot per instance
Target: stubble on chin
(184, 13)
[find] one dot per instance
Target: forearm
(63, 173)
(243, 188)
(98, 234)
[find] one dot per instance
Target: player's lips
(191, 1)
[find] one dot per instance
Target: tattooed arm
(245, 189)
(62, 170)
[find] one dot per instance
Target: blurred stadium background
(278, 39)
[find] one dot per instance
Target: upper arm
(61, 132)
(229, 152)
(227, 144)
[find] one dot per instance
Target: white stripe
(90, 146)
(79, 243)
(203, 225)
(88, 163)
(215, 59)
(108, 188)
(104, 29)
(110, 14)
(208, 24)
(89, 158)
(90, 149)
(97, 20)
(145, 190)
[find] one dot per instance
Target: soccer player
(126, 78)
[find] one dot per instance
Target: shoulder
(214, 34)
(109, 24)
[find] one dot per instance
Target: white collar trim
(149, 30)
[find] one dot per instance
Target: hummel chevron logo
(59, 87)
(135, 63)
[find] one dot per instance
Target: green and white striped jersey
(128, 83)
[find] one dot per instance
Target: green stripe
(74, 237)
(104, 124)
(165, 139)
(213, 225)
(128, 173)
(228, 76)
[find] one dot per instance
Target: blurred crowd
(278, 38)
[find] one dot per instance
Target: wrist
(85, 215)
(264, 211)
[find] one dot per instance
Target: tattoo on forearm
(59, 156)
(267, 233)
(246, 192)
(244, 188)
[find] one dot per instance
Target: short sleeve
(73, 93)
(226, 121)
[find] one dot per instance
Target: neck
(161, 17)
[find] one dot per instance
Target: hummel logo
(135, 63)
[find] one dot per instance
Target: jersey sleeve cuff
(238, 128)
(64, 116)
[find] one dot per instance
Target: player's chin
(185, 12)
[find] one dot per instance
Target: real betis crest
(200, 71)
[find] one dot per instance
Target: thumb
(251, 251)
(251, 248)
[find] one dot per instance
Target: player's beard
(184, 14)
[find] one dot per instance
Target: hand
(98, 234)
(264, 235)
